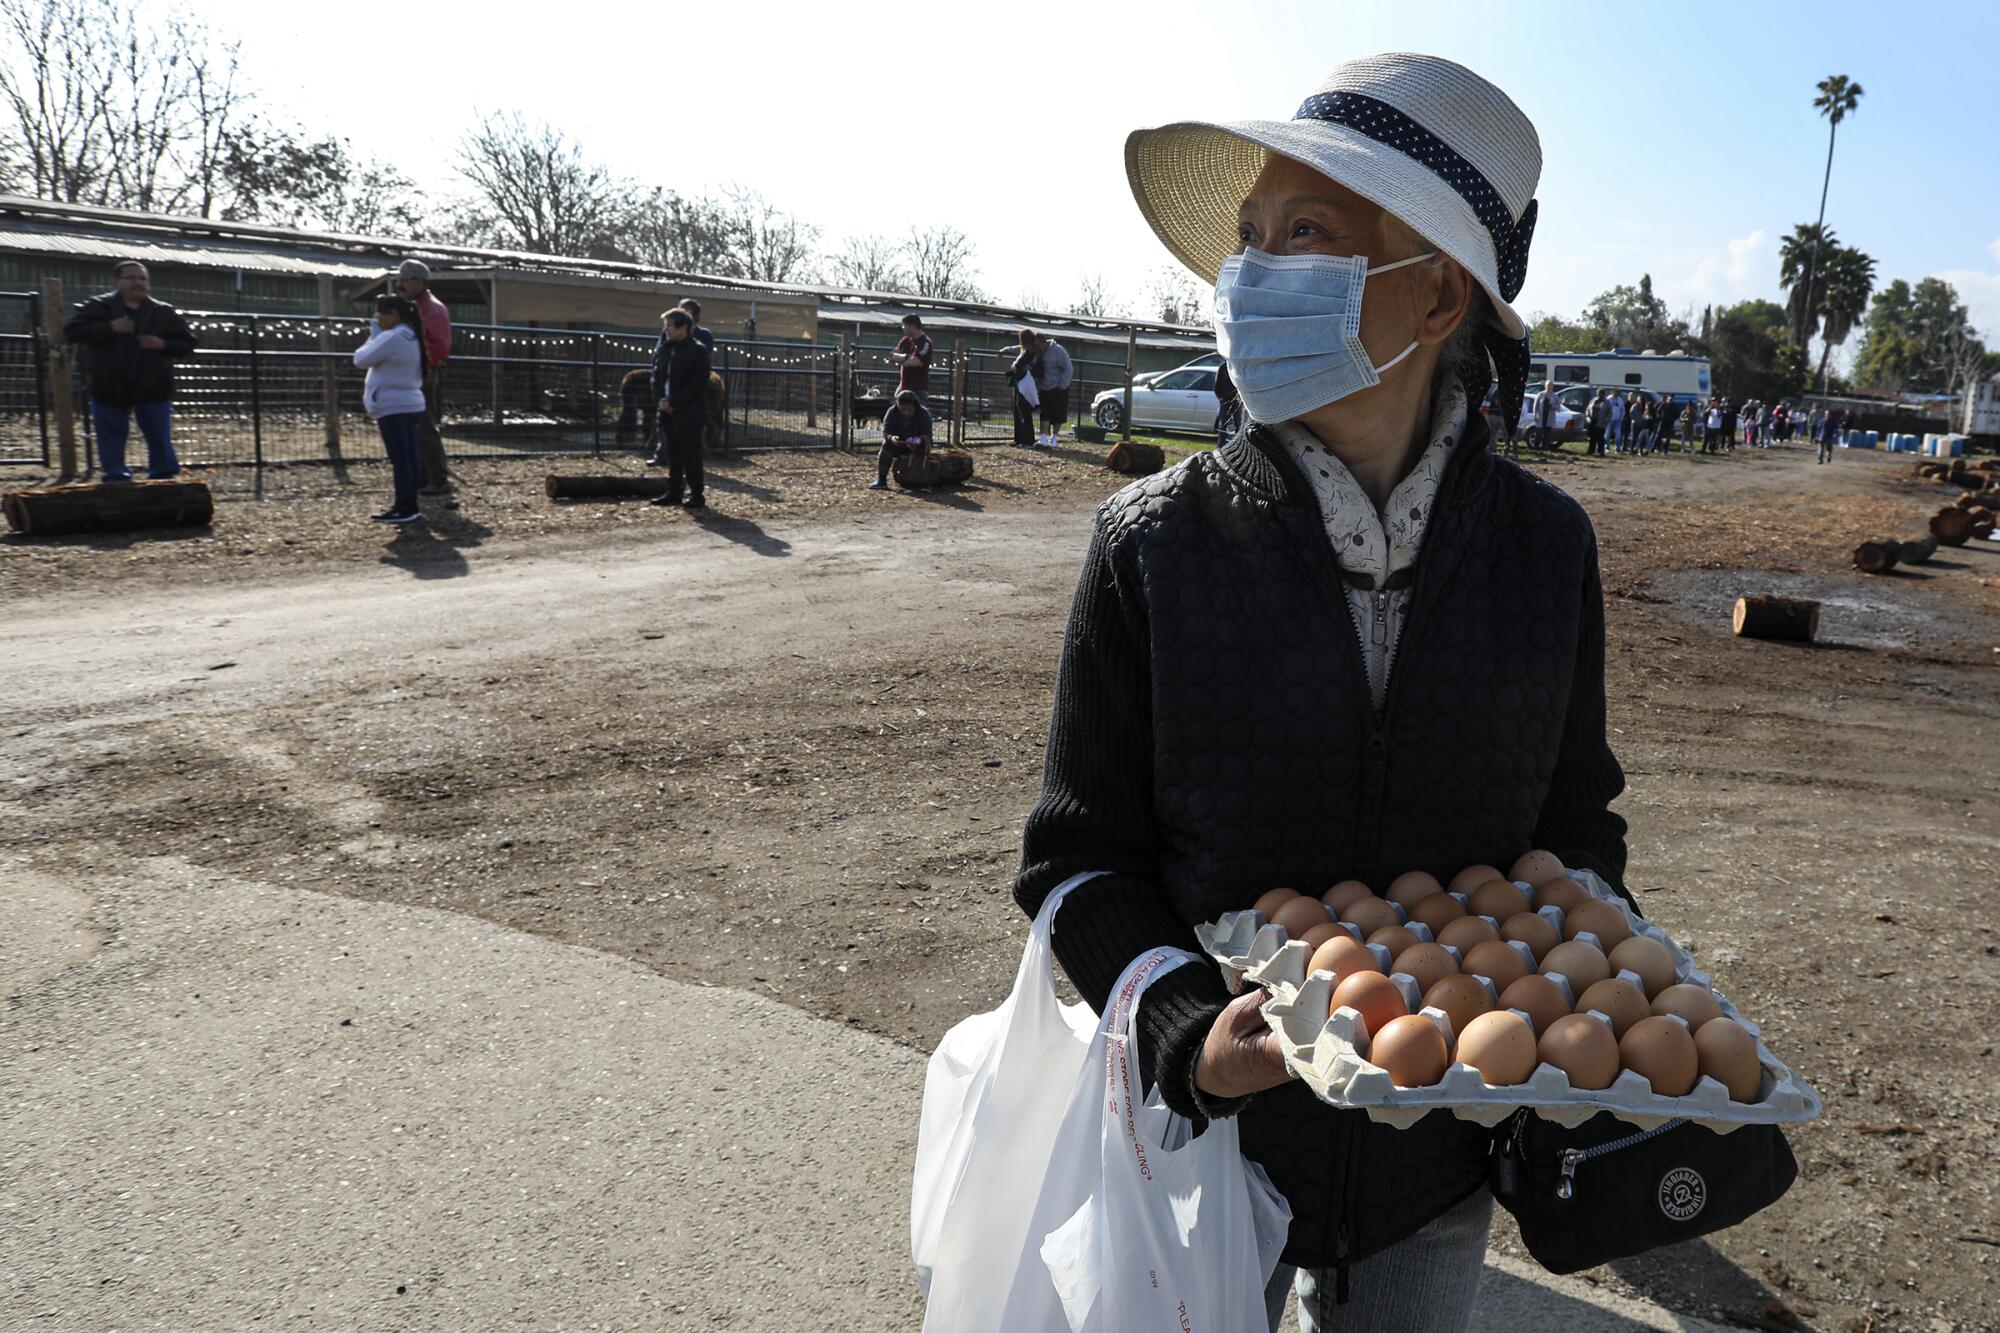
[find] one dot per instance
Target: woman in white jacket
(394, 396)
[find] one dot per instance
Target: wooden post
(62, 382)
(1131, 369)
(846, 401)
(812, 395)
(329, 371)
(958, 393)
(493, 344)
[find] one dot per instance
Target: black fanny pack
(1607, 1190)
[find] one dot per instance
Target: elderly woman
(1348, 644)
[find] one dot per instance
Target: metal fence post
(256, 408)
(1131, 368)
(329, 372)
(596, 405)
(958, 393)
(845, 403)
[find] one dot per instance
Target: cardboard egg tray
(1325, 1051)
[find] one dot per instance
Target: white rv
(1675, 373)
(1982, 409)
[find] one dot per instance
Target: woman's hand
(1241, 1055)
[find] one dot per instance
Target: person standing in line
(1616, 424)
(1595, 414)
(393, 396)
(133, 342)
(1052, 383)
(1730, 412)
(906, 429)
(1025, 371)
(701, 333)
(1544, 417)
(680, 383)
(1823, 435)
(413, 283)
(1749, 415)
(912, 358)
(1711, 435)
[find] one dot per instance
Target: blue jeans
(399, 437)
(1426, 1283)
(114, 425)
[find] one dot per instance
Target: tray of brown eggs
(1535, 988)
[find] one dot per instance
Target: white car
(1564, 423)
(1181, 399)
(1208, 362)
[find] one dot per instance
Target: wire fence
(264, 390)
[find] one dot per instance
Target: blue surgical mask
(1290, 328)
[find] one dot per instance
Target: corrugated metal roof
(935, 321)
(159, 250)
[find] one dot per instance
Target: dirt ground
(787, 746)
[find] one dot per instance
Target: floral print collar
(1374, 547)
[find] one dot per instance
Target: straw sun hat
(1426, 139)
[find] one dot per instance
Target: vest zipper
(1572, 1158)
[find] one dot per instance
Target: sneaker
(695, 502)
(386, 516)
(396, 516)
(668, 499)
(878, 485)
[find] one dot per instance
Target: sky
(1677, 139)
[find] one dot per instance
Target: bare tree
(53, 77)
(689, 234)
(534, 188)
(771, 245)
(939, 260)
(1093, 298)
(870, 263)
(1174, 297)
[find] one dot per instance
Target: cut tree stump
(603, 488)
(1952, 526)
(1135, 459)
(1917, 552)
(119, 506)
(1876, 557)
(1760, 616)
(939, 467)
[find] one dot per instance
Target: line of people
(1641, 424)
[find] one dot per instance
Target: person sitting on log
(906, 430)
(133, 341)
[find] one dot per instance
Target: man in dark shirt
(701, 333)
(133, 340)
(680, 384)
(905, 430)
(913, 355)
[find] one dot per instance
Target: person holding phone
(133, 341)
(906, 431)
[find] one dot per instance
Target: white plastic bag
(994, 1095)
(1176, 1232)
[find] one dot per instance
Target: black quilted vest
(1271, 768)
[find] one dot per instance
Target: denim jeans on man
(114, 426)
(399, 437)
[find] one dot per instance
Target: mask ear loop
(1390, 364)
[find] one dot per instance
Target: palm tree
(1850, 281)
(1798, 257)
(1836, 98)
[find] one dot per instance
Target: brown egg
(1620, 1001)
(1395, 939)
(1371, 915)
(1320, 934)
(1601, 919)
(1583, 1048)
(1467, 932)
(1428, 964)
(1470, 878)
(1407, 890)
(1438, 911)
(1461, 997)
(1537, 932)
(1497, 961)
(1273, 900)
(1345, 894)
(1498, 899)
(1564, 893)
(1728, 1054)
(1411, 1050)
(1376, 998)
(1584, 964)
(1343, 955)
(1300, 915)
(1538, 868)
(1663, 1053)
(1649, 958)
(1697, 1004)
(1537, 997)
(1500, 1046)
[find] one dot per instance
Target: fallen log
(1135, 459)
(1917, 552)
(1875, 557)
(938, 467)
(117, 506)
(603, 487)
(1791, 619)
(1952, 526)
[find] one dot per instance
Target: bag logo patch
(1682, 1193)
